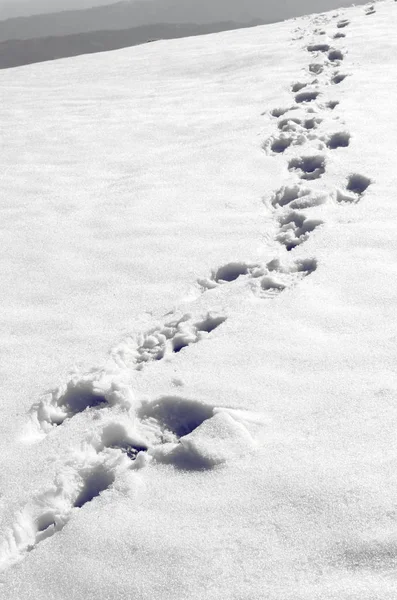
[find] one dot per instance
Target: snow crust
(219, 212)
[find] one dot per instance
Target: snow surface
(220, 212)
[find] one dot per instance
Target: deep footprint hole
(231, 272)
(318, 48)
(297, 87)
(307, 266)
(178, 343)
(335, 55)
(280, 145)
(338, 78)
(358, 183)
(175, 414)
(306, 96)
(77, 399)
(279, 112)
(45, 521)
(310, 124)
(339, 140)
(332, 104)
(210, 323)
(95, 482)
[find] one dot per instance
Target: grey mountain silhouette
(127, 15)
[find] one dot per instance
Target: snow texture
(223, 209)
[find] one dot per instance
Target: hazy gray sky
(13, 8)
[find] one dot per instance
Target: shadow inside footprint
(308, 167)
(318, 48)
(297, 87)
(357, 183)
(339, 140)
(218, 440)
(279, 145)
(231, 272)
(210, 323)
(335, 55)
(308, 96)
(175, 414)
(279, 112)
(295, 229)
(338, 78)
(332, 104)
(76, 399)
(94, 482)
(183, 460)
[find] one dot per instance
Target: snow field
(128, 437)
(300, 127)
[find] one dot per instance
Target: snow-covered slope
(220, 212)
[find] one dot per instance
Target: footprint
(91, 392)
(271, 284)
(332, 104)
(279, 112)
(279, 145)
(338, 35)
(187, 434)
(312, 123)
(94, 481)
(175, 415)
(217, 440)
(228, 273)
(297, 197)
(316, 68)
(293, 124)
(335, 55)
(297, 87)
(281, 276)
(308, 167)
(343, 23)
(288, 124)
(308, 96)
(370, 10)
(358, 183)
(318, 48)
(79, 481)
(295, 229)
(171, 338)
(355, 188)
(338, 78)
(339, 140)
(307, 266)
(66, 401)
(194, 436)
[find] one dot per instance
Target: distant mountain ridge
(126, 15)
(15, 53)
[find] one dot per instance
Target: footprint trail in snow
(188, 434)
